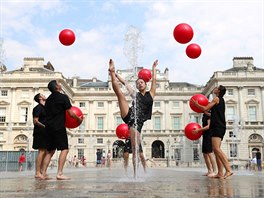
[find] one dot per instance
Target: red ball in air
(71, 122)
(188, 130)
(122, 131)
(145, 74)
(183, 33)
(67, 37)
(193, 51)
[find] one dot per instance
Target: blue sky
(224, 29)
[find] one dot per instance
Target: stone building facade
(162, 137)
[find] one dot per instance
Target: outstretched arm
(153, 82)
(130, 90)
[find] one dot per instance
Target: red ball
(122, 131)
(193, 51)
(145, 74)
(189, 131)
(183, 33)
(67, 37)
(71, 122)
(202, 100)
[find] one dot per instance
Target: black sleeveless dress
(218, 122)
(141, 110)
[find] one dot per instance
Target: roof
(236, 69)
(95, 84)
(182, 84)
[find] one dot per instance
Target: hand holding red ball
(72, 122)
(201, 99)
(189, 131)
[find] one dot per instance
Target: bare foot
(211, 175)
(47, 177)
(205, 174)
(228, 174)
(62, 177)
(39, 176)
(218, 176)
(111, 66)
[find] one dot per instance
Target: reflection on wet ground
(167, 182)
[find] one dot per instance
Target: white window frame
(24, 114)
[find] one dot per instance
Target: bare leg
(20, 167)
(62, 160)
(46, 162)
(143, 161)
(221, 158)
(213, 163)
(126, 157)
(123, 104)
(39, 163)
(133, 144)
(207, 163)
(134, 135)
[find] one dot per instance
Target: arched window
(21, 139)
(118, 149)
(158, 150)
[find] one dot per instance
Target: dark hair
(141, 79)
(52, 86)
(222, 90)
(36, 97)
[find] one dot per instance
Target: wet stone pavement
(156, 183)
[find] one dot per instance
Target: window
(100, 123)
(176, 122)
(82, 126)
(118, 120)
(1, 135)
(157, 123)
(252, 113)
(230, 112)
(25, 94)
(230, 92)
(100, 104)
(233, 150)
(195, 154)
(80, 140)
(2, 114)
(24, 114)
(177, 154)
(251, 92)
(195, 118)
(100, 141)
(4, 92)
(82, 104)
(176, 104)
(80, 153)
(231, 134)
(156, 104)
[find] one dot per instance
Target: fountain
(133, 49)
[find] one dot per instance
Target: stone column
(262, 99)
(240, 103)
